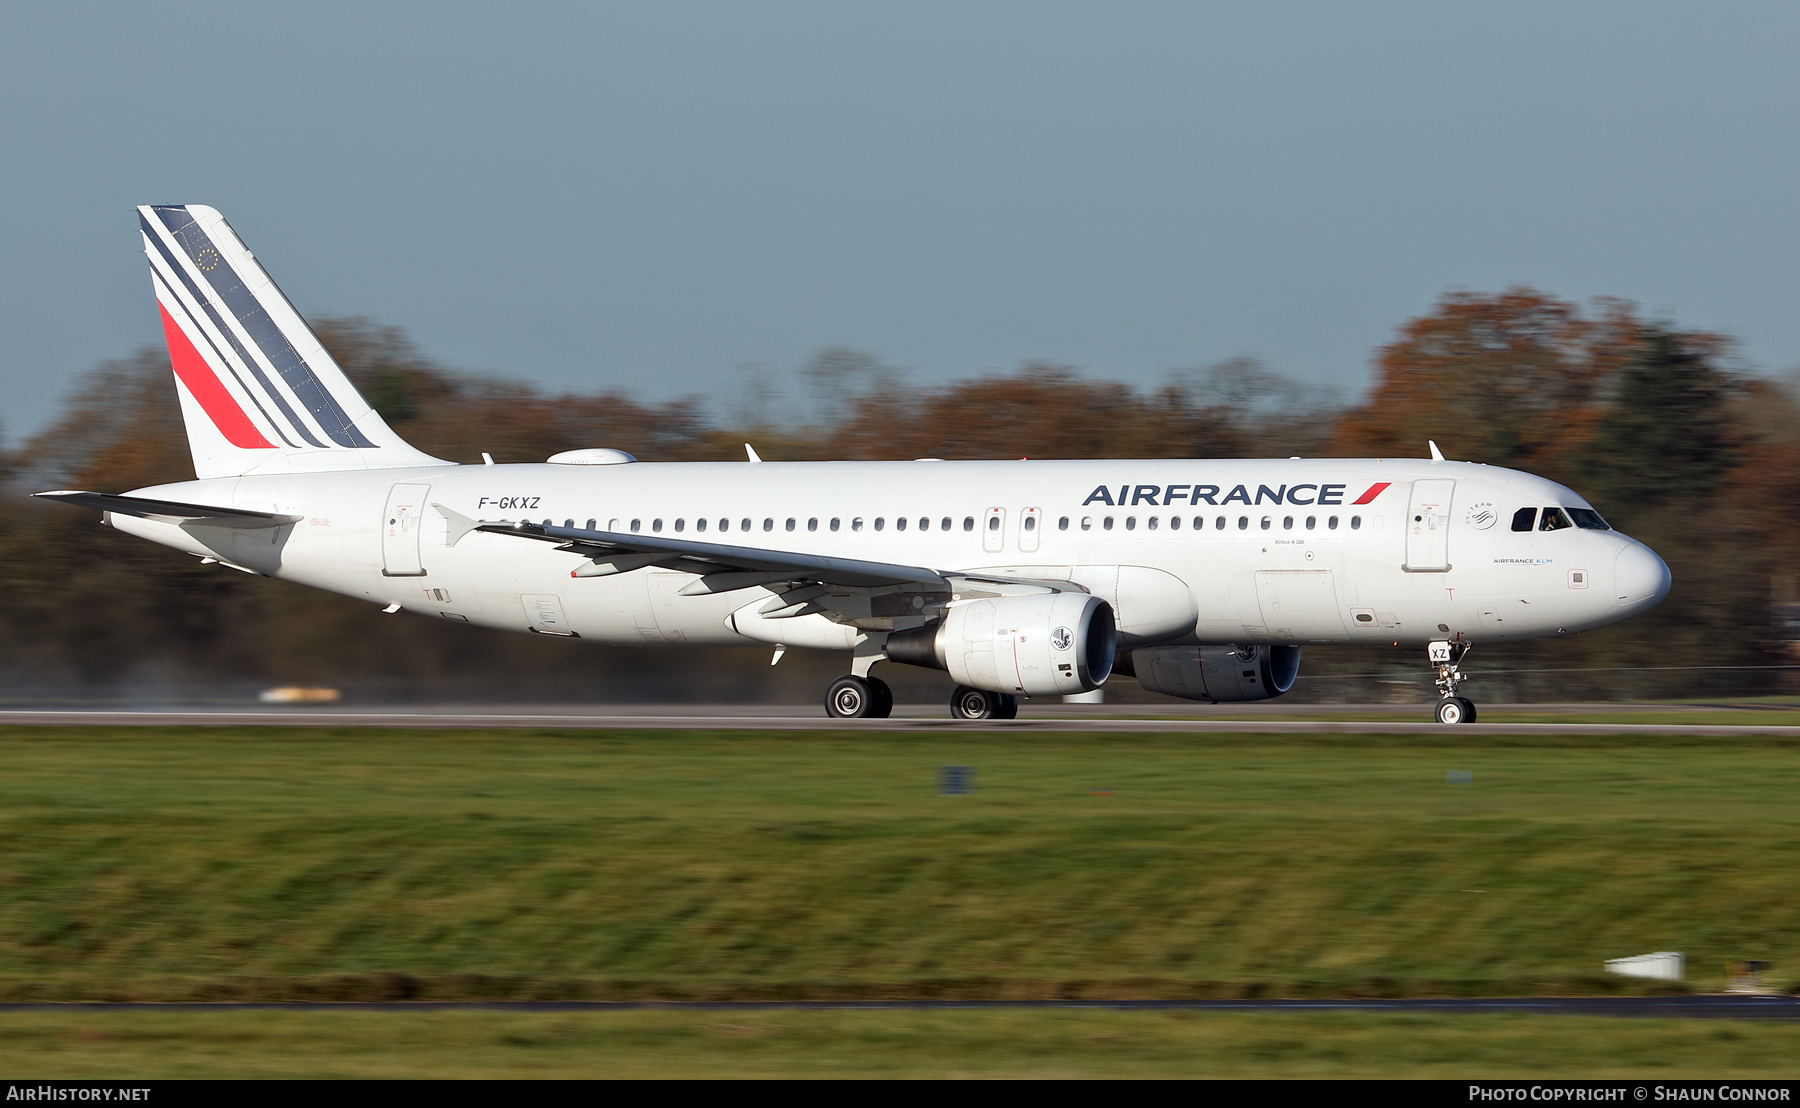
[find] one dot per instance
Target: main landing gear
(853, 697)
(967, 703)
(1446, 658)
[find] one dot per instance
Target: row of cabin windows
(944, 524)
(1153, 523)
(1556, 519)
(1220, 523)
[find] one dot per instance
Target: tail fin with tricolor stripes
(258, 392)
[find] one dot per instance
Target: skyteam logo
(1161, 496)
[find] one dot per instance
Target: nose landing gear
(1446, 658)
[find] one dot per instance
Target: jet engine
(1220, 674)
(1039, 645)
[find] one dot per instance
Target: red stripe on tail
(1374, 491)
(205, 387)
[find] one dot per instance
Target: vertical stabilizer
(258, 391)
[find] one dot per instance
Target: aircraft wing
(733, 566)
(724, 567)
(170, 511)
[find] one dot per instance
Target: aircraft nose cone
(1642, 578)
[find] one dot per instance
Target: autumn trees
(1649, 421)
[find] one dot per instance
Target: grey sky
(653, 195)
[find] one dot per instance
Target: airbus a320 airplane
(1201, 579)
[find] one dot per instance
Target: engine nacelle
(1039, 645)
(1221, 674)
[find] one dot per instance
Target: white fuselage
(1253, 551)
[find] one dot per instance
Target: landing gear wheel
(1008, 708)
(881, 697)
(851, 697)
(1455, 709)
(967, 703)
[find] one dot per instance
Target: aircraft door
(400, 525)
(1428, 527)
(1029, 521)
(993, 530)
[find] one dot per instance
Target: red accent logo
(1374, 491)
(204, 385)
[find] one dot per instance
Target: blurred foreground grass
(379, 864)
(1012, 1043)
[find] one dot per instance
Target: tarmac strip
(590, 721)
(1751, 1007)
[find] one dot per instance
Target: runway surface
(1326, 719)
(1654, 1007)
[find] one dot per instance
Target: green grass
(366, 863)
(1043, 1043)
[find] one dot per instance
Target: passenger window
(592, 525)
(699, 525)
(768, 525)
(856, 524)
(724, 525)
(880, 522)
(1588, 520)
(944, 524)
(1312, 522)
(1355, 523)
(636, 526)
(1331, 524)
(1199, 523)
(968, 523)
(1130, 523)
(656, 525)
(1106, 524)
(834, 523)
(744, 525)
(899, 524)
(681, 525)
(924, 523)
(1554, 520)
(1062, 524)
(1524, 518)
(1174, 523)
(1087, 523)
(1243, 523)
(1219, 524)
(1287, 523)
(812, 525)
(790, 524)
(1030, 523)
(993, 523)
(1265, 523)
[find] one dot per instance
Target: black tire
(1008, 706)
(882, 696)
(849, 697)
(1453, 710)
(967, 703)
(1470, 704)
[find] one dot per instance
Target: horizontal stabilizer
(170, 511)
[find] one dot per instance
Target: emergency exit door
(400, 527)
(1428, 527)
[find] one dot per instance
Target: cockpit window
(1588, 520)
(1554, 520)
(1524, 518)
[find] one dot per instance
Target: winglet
(751, 450)
(1436, 454)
